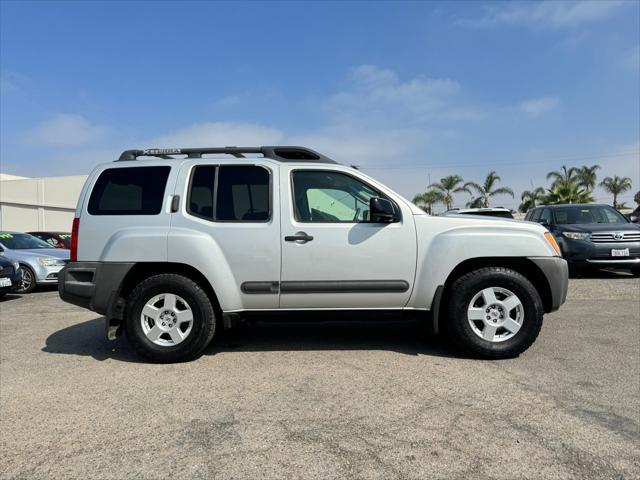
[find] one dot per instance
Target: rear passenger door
(227, 228)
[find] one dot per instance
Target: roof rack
(279, 153)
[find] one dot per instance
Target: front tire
(169, 318)
(494, 312)
(28, 282)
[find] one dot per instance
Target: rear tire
(635, 271)
(503, 327)
(178, 320)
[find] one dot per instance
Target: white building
(28, 204)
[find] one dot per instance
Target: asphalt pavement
(324, 400)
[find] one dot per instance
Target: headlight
(577, 235)
(50, 262)
(16, 266)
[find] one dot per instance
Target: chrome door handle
(299, 237)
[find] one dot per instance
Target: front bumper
(47, 274)
(556, 271)
(585, 252)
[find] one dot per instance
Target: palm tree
(562, 177)
(486, 190)
(586, 176)
(428, 199)
(531, 198)
(568, 193)
(474, 203)
(448, 186)
(615, 186)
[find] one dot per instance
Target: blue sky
(408, 91)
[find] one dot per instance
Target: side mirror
(544, 222)
(381, 211)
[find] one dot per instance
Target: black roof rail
(279, 153)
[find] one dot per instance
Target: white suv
(172, 249)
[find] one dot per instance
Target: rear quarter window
(129, 191)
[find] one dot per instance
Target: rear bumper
(556, 271)
(92, 285)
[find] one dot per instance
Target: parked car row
(31, 259)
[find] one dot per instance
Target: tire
(154, 336)
(635, 271)
(507, 338)
(28, 283)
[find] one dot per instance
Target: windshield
(587, 214)
(21, 241)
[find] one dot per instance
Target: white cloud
(535, 107)
(214, 134)
(378, 117)
(66, 130)
(378, 95)
(545, 14)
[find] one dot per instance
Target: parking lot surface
(324, 400)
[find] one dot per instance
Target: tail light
(74, 239)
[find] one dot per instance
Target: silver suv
(175, 246)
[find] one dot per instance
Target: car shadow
(7, 297)
(407, 337)
(596, 273)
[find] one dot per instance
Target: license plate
(5, 282)
(620, 252)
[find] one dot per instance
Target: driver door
(332, 256)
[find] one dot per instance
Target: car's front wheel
(28, 281)
(494, 312)
(169, 318)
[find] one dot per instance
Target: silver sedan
(40, 264)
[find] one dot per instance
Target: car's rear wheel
(635, 271)
(28, 282)
(494, 312)
(169, 318)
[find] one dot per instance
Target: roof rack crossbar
(280, 153)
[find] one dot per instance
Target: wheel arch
(522, 265)
(141, 271)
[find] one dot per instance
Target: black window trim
(377, 190)
(215, 192)
(97, 178)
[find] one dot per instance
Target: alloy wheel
(27, 280)
(166, 319)
(495, 314)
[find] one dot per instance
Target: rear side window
(129, 191)
(230, 193)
